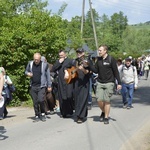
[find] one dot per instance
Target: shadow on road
(2, 132)
(141, 96)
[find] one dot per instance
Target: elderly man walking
(39, 74)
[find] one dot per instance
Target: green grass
(141, 26)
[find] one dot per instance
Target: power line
(144, 9)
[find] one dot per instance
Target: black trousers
(38, 95)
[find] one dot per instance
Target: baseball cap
(128, 59)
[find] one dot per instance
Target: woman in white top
(6, 92)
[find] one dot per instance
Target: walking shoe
(36, 119)
(1, 118)
(5, 114)
(125, 106)
(89, 106)
(43, 118)
(79, 121)
(52, 112)
(57, 109)
(106, 121)
(129, 107)
(102, 116)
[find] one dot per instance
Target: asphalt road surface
(20, 132)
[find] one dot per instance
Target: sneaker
(89, 106)
(102, 116)
(43, 118)
(51, 112)
(106, 121)
(1, 118)
(129, 107)
(57, 109)
(124, 106)
(79, 121)
(36, 118)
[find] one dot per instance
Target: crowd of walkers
(67, 86)
(71, 82)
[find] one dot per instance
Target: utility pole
(93, 24)
(82, 20)
(94, 30)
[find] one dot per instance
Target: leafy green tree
(22, 36)
(118, 23)
(111, 30)
(135, 41)
(74, 32)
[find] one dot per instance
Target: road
(19, 131)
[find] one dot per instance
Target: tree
(118, 23)
(22, 36)
(135, 41)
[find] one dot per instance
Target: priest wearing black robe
(81, 87)
(65, 91)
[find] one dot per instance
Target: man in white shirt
(129, 79)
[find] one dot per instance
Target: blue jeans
(127, 90)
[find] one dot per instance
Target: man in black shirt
(107, 70)
(39, 74)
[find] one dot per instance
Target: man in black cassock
(65, 91)
(81, 87)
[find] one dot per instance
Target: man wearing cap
(106, 67)
(129, 78)
(81, 87)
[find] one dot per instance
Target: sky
(137, 11)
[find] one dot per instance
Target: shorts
(104, 91)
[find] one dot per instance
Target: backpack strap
(124, 66)
(6, 77)
(31, 65)
(110, 59)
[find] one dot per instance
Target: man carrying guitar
(81, 86)
(65, 90)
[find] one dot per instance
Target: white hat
(1, 102)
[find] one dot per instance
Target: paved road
(19, 131)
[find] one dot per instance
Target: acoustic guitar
(73, 70)
(72, 74)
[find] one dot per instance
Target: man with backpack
(129, 78)
(40, 81)
(106, 67)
